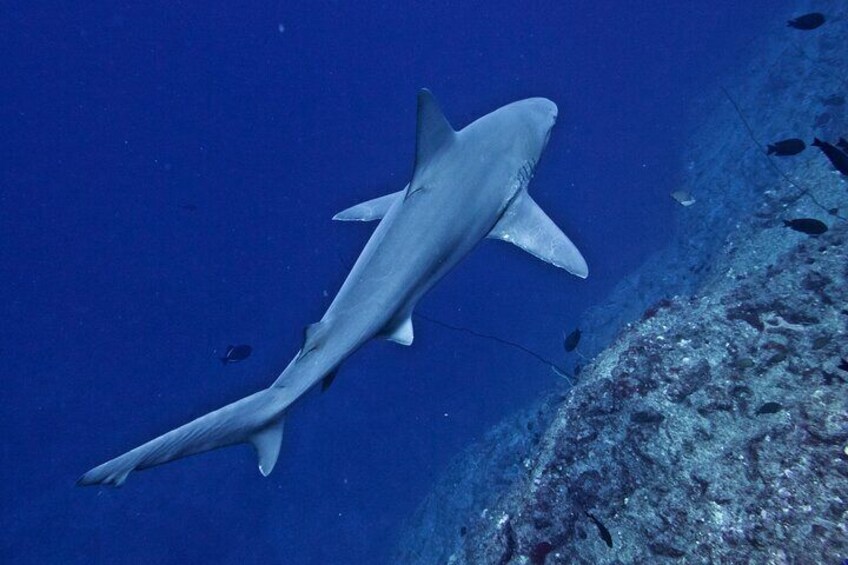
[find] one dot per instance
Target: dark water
(169, 174)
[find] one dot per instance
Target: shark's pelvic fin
(370, 210)
(267, 444)
(526, 225)
(401, 332)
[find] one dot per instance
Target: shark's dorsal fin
(267, 444)
(434, 130)
(434, 133)
(526, 225)
(401, 330)
(369, 210)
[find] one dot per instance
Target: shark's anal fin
(267, 444)
(524, 224)
(401, 331)
(370, 210)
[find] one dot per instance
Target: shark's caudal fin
(525, 224)
(255, 419)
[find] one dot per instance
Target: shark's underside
(466, 185)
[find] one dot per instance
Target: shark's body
(466, 185)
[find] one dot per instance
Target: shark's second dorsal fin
(313, 337)
(434, 131)
(526, 225)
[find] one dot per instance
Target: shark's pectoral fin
(370, 210)
(267, 444)
(401, 331)
(525, 224)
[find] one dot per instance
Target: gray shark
(466, 185)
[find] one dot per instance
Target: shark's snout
(543, 108)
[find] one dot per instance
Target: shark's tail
(256, 419)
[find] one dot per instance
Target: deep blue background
(116, 298)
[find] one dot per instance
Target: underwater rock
(678, 435)
(722, 484)
(661, 439)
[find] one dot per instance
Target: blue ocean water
(169, 174)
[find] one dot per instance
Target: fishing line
(559, 371)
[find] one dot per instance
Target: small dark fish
(571, 341)
(842, 144)
(236, 353)
(539, 553)
(807, 21)
(786, 147)
(189, 207)
(769, 408)
(646, 417)
(835, 100)
(843, 365)
(837, 158)
(808, 226)
(602, 530)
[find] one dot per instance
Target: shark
(466, 185)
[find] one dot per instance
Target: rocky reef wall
(712, 424)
